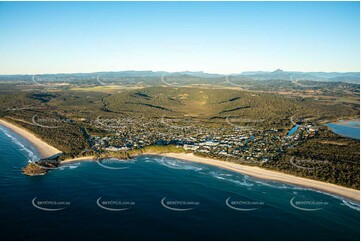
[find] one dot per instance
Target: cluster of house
(224, 141)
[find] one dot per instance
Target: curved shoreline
(74, 160)
(261, 173)
(47, 151)
(256, 172)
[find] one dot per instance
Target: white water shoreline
(256, 172)
(47, 151)
(264, 174)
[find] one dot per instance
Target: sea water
(159, 198)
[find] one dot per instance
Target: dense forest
(328, 157)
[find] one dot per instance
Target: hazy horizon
(195, 71)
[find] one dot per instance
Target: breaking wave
(30, 154)
(351, 205)
(225, 177)
(278, 185)
(241, 180)
(175, 164)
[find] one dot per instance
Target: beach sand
(74, 160)
(45, 150)
(258, 172)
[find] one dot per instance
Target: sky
(214, 37)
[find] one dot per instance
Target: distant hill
(348, 77)
(218, 104)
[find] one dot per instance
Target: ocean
(159, 198)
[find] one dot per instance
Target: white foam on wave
(345, 201)
(69, 166)
(278, 185)
(225, 177)
(246, 181)
(184, 165)
(178, 165)
(118, 161)
(147, 159)
(30, 155)
(226, 174)
(351, 205)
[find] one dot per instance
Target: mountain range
(348, 77)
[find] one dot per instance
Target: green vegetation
(328, 157)
(68, 118)
(153, 149)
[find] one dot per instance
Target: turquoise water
(293, 130)
(349, 129)
(213, 204)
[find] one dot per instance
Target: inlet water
(349, 128)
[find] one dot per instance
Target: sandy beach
(272, 175)
(45, 150)
(74, 160)
(256, 172)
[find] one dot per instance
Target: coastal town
(180, 121)
(247, 144)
